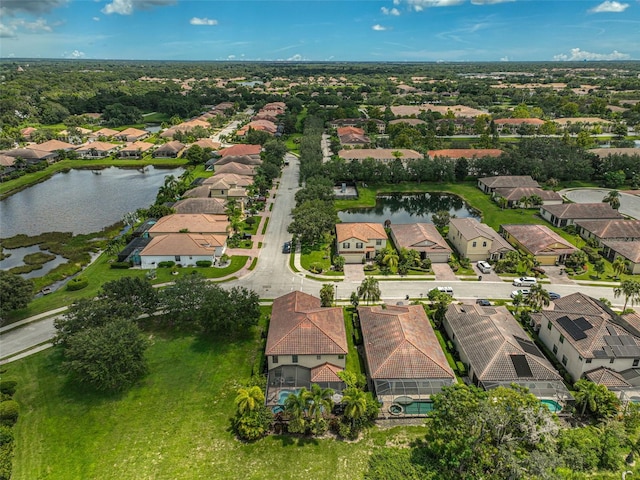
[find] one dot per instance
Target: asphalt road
(272, 277)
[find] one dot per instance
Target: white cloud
(490, 2)
(295, 58)
(610, 6)
(96, 19)
(231, 57)
(504, 59)
(378, 28)
(580, 55)
(11, 7)
(203, 21)
(390, 11)
(419, 5)
(7, 31)
(75, 54)
(126, 7)
(40, 25)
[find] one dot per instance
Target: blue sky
(317, 30)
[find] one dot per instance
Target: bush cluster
(9, 411)
(121, 265)
(77, 283)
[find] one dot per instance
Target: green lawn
(174, 425)
(354, 362)
(316, 254)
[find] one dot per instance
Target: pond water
(80, 201)
(402, 208)
(16, 259)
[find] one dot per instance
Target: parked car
(483, 302)
(286, 248)
(447, 290)
(523, 291)
(554, 295)
(525, 282)
(484, 267)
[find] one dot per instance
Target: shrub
(121, 265)
(6, 453)
(253, 425)
(77, 283)
(204, 263)
(315, 267)
(9, 410)
(166, 264)
(6, 435)
(8, 387)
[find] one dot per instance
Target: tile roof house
(568, 213)
(360, 241)
(455, 153)
(514, 195)
(546, 246)
(206, 143)
(131, 135)
(402, 354)
(104, 132)
(97, 149)
(237, 169)
(422, 237)
(489, 184)
(619, 230)
(477, 241)
(191, 223)
(241, 159)
(220, 187)
(306, 344)
(357, 122)
(135, 149)
(239, 150)
(230, 178)
(630, 251)
(584, 334)
(381, 154)
(53, 145)
(31, 154)
(182, 248)
(171, 149)
(210, 206)
(498, 352)
(512, 123)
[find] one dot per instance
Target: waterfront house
(357, 242)
(477, 241)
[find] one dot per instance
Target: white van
(484, 267)
(525, 282)
(447, 290)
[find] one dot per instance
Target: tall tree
(613, 199)
(248, 399)
(630, 289)
(619, 266)
(538, 297)
(15, 292)
(355, 404)
(326, 295)
(369, 290)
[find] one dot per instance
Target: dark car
(286, 248)
(554, 295)
(483, 302)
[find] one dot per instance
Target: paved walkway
(443, 272)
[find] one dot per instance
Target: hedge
(77, 283)
(121, 265)
(204, 263)
(167, 264)
(9, 410)
(8, 387)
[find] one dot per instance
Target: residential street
(273, 277)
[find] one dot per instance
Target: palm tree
(613, 199)
(586, 394)
(234, 212)
(525, 201)
(502, 202)
(355, 404)
(369, 290)
(619, 266)
(248, 399)
(320, 400)
(538, 297)
(518, 300)
(631, 291)
(296, 405)
(391, 259)
(527, 262)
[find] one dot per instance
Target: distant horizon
(373, 31)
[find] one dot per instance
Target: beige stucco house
(477, 241)
(360, 241)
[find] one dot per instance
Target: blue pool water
(282, 396)
(552, 405)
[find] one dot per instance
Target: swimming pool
(282, 396)
(416, 407)
(552, 405)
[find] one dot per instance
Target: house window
(484, 244)
(474, 244)
(561, 338)
(340, 357)
(318, 357)
(588, 360)
(274, 359)
(378, 242)
(359, 245)
(636, 361)
(177, 258)
(555, 349)
(294, 358)
(346, 245)
(580, 358)
(549, 325)
(611, 360)
(564, 360)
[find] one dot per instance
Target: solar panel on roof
(571, 328)
(612, 340)
(627, 340)
(583, 324)
(611, 330)
(528, 346)
(522, 367)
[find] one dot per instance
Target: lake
(409, 208)
(81, 201)
(16, 256)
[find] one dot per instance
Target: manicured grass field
(173, 425)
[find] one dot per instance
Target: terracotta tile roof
(419, 236)
(172, 147)
(300, 326)
(612, 228)
(354, 139)
(515, 194)
(325, 373)
(347, 130)
(598, 320)
(400, 343)
(360, 230)
(97, 146)
(183, 244)
(138, 146)
(53, 145)
(608, 378)
(539, 239)
(243, 159)
(465, 153)
(105, 132)
(132, 132)
(471, 228)
(207, 143)
(203, 191)
(194, 223)
(230, 178)
(6, 160)
(582, 210)
(629, 250)
(379, 154)
(237, 168)
(510, 181)
(490, 337)
(519, 121)
(240, 149)
(211, 206)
